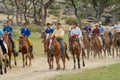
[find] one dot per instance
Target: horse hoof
(1, 73)
(15, 63)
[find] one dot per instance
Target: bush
(55, 7)
(54, 12)
(70, 20)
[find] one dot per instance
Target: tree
(99, 6)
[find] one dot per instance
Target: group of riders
(74, 31)
(55, 29)
(25, 31)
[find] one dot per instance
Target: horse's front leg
(26, 60)
(63, 60)
(15, 60)
(23, 59)
(57, 62)
(48, 60)
(1, 72)
(29, 56)
(83, 57)
(10, 61)
(74, 61)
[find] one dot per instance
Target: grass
(102, 73)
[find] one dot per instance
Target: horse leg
(15, 60)
(1, 72)
(78, 59)
(10, 61)
(83, 55)
(26, 60)
(74, 62)
(57, 62)
(63, 60)
(29, 56)
(5, 64)
(88, 53)
(23, 59)
(52, 60)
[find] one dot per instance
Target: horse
(56, 48)
(76, 51)
(96, 45)
(6, 38)
(25, 49)
(107, 42)
(115, 46)
(86, 41)
(50, 55)
(5, 60)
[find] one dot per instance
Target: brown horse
(107, 42)
(5, 62)
(96, 45)
(115, 45)
(55, 45)
(86, 41)
(25, 49)
(50, 59)
(76, 51)
(10, 50)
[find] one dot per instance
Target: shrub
(54, 12)
(70, 20)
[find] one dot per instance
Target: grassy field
(102, 73)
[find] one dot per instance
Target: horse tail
(67, 56)
(31, 55)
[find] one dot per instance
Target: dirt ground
(39, 69)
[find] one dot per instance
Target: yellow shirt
(59, 33)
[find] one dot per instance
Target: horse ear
(53, 36)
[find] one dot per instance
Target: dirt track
(39, 69)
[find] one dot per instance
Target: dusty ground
(39, 69)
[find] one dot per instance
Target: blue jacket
(8, 29)
(25, 32)
(49, 30)
(101, 29)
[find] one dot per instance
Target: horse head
(43, 35)
(22, 40)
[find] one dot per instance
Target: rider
(2, 43)
(96, 31)
(117, 26)
(49, 30)
(110, 28)
(8, 28)
(102, 32)
(25, 31)
(76, 31)
(59, 34)
(87, 27)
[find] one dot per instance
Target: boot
(31, 49)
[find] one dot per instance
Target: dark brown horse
(25, 49)
(10, 50)
(76, 51)
(55, 45)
